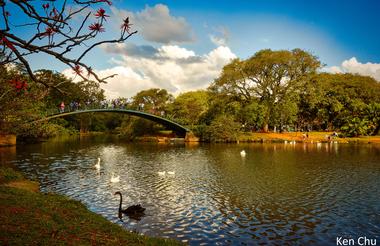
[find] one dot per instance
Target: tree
(54, 30)
(355, 127)
(188, 107)
(334, 100)
(269, 76)
(153, 100)
(372, 115)
(224, 128)
(252, 115)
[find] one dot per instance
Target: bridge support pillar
(190, 137)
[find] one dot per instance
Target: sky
(183, 45)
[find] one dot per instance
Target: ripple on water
(277, 196)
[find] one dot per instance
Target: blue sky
(183, 45)
(342, 29)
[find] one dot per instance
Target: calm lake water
(278, 194)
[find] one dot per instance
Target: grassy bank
(29, 217)
(298, 136)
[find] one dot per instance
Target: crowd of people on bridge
(117, 103)
(104, 104)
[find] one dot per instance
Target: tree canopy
(269, 76)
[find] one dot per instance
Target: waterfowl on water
(97, 165)
(242, 153)
(161, 173)
(115, 179)
(132, 211)
(171, 172)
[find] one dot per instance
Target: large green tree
(269, 76)
(330, 101)
(153, 100)
(188, 107)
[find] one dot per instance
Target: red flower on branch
(7, 43)
(96, 27)
(101, 13)
(77, 69)
(49, 31)
(19, 85)
(45, 6)
(126, 25)
(54, 13)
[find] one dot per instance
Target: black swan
(133, 211)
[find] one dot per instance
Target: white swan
(115, 179)
(97, 165)
(242, 153)
(161, 173)
(171, 172)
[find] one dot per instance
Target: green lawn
(33, 218)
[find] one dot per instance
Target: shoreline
(243, 137)
(30, 217)
(298, 137)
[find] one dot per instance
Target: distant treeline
(270, 91)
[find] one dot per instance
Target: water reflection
(277, 193)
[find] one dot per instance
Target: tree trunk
(83, 126)
(265, 127)
(376, 130)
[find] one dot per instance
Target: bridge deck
(170, 124)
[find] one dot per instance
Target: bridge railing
(73, 108)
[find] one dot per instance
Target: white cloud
(218, 41)
(354, 66)
(158, 25)
(174, 52)
(172, 68)
(221, 37)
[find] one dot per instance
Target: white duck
(115, 179)
(97, 165)
(161, 173)
(171, 172)
(242, 153)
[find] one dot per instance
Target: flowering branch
(56, 32)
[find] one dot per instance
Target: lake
(278, 194)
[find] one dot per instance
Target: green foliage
(223, 129)
(285, 113)
(44, 131)
(268, 76)
(355, 127)
(252, 115)
(8, 174)
(153, 100)
(372, 115)
(133, 127)
(333, 100)
(270, 89)
(189, 107)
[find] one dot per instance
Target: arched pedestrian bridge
(179, 129)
